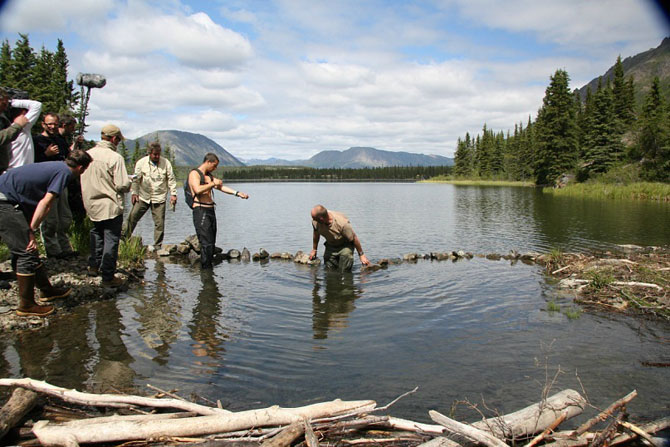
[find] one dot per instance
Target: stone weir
(189, 251)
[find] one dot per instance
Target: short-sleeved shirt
(338, 233)
(27, 185)
(43, 142)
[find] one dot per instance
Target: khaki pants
(55, 227)
(339, 258)
(136, 213)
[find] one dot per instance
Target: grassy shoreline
(658, 192)
(476, 182)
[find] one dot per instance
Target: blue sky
(290, 78)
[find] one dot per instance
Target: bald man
(341, 240)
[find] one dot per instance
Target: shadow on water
(333, 299)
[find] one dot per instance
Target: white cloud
(193, 40)
(57, 15)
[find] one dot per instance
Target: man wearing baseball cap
(103, 186)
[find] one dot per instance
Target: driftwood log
(534, 418)
(122, 428)
(18, 405)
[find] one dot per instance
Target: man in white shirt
(153, 179)
(23, 148)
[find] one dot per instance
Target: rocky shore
(631, 279)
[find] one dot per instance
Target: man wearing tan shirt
(340, 239)
(153, 178)
(103, 186)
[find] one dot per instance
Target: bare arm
(232, 192)
(359, 249)
(315, 244)
(196, 187)
(41, 211)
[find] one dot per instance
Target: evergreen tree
(41, 78)
(5, 63)
(23, 62)
(122, 149)
(137, 154)
(556, 135)
(604, 145)
(463, 158)
(63, 92)
(653, 137)
(624, 102)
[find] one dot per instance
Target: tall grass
(633, 191)
(4, 252)
(131, 251)
(80, 235)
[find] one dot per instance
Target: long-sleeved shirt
(23, 149)
(104, 183)
(153, 181)
(9, 131)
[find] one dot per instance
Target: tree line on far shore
(600, 133)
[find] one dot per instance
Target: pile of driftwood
(323, 424)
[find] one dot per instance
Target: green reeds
(131, 251)
(633, 191)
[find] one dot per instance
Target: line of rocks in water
(189, 250)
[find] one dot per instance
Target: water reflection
(204, 328)
(158, 315)
(113, 360)
(333, 299)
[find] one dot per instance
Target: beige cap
(110, 130)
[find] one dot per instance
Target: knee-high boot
(27, 305)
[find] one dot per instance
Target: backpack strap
(202, 182)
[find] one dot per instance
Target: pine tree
(653, 137)
(137, 154)
(463, 158)
(604, 145)
(41, 76)
(23, 62)
(624, 102)
(556, 132)
(5, 64)
(62, 89)
(122, 149)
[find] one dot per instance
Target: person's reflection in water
(207, 339)
(60, 352)
(158, 315)
(331, 310)
(112, 371)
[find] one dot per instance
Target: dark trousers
(105, 236)
(14, 232)
(204, 221)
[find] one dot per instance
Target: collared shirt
(104, 182)
(27, 185)
(338, 233)
(153, 181)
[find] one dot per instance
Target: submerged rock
(246, 255)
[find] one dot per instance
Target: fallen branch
(638, 284)
(286, 437)
(638, 431)
(466, 430)
(539, 438)
(109, 400)
(604, 414)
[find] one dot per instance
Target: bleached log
(468, 431)
(286, 437)
(109, 400)
(638, 284)
(310, 438)
(440, 441)
(125, 430)
(404, 424)
(18, 405)
(534, 418)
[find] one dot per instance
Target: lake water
(254, 335)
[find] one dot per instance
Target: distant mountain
(361, 157)
(643, 67)
(189, 148)
(271, 162)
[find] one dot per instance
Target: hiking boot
(27, 305)
(49, 292)
(92, 271)
(114, 282)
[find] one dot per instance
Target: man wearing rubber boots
(27, 193)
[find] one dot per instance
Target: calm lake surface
(253, 334)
